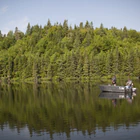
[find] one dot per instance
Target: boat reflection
(114, 96)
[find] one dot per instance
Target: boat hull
(118, 89)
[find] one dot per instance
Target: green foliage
(61, 52)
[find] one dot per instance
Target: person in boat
(129, 83)
(114, 80)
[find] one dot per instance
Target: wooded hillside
(59, 52)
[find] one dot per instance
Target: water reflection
(114, 96)
(60, 108)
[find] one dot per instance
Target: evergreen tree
(81, 25)
(18, 34)
(49, 24)
(28, 31)
(101, 30)
(125, 33)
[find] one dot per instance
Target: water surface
(71, 111)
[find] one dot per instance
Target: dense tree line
(61, 52)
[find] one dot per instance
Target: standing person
(114, 80)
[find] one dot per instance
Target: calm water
(63, 111)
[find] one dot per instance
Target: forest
(61, 52)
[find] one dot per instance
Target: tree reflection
(62, 108)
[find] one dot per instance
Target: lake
(66, 111)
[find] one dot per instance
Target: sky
(116, 13)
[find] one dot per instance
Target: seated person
(129, 84)
(114, 80)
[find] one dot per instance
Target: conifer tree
(28, 31)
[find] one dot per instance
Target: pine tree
(28, 31)
(101, 31)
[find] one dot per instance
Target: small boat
(109, 88)
(118, 89)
